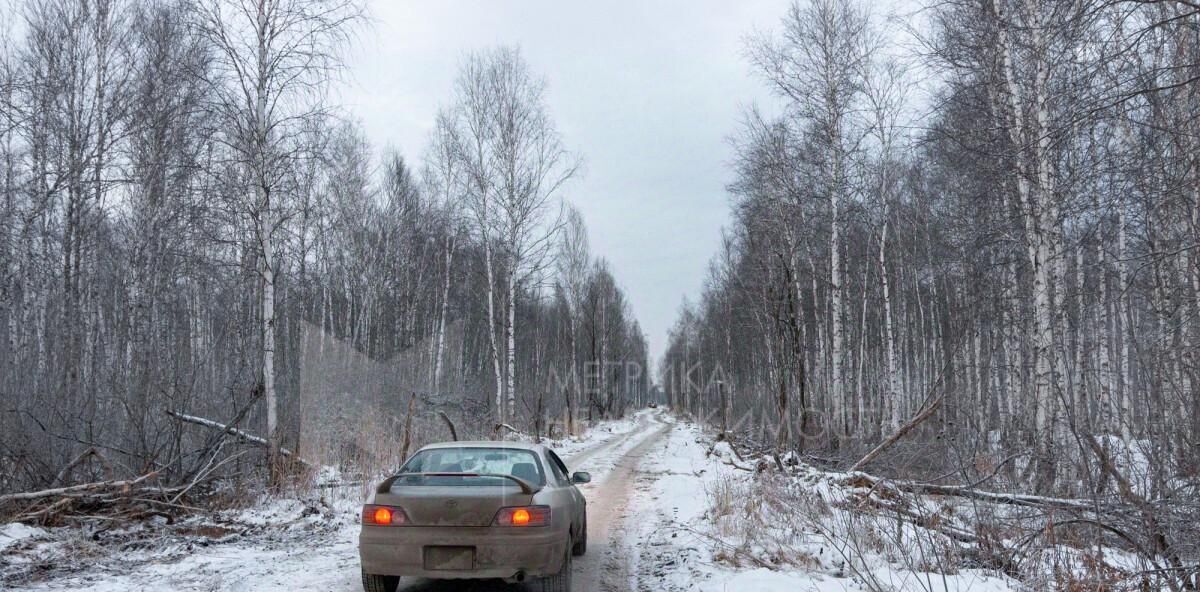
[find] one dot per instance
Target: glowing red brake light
(523, 516)
(384, 516)
(520, 517)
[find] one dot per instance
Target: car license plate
(449, 558)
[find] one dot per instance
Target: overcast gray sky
(647, 92)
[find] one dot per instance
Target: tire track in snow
(578, 459)
(606, 566)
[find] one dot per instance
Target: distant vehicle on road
(475, 510)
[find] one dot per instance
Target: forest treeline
(1017, 248)
(181, 204)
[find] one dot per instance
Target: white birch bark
(265, 228)
(835, 296)
(1104, 333)
(1125, 318)
(510, 328)
(1038, 206)
(892, 380)
(489, 267)
(859, 387)
(448, 261)
(573, 391)
(1082, 408)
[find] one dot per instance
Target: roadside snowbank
(708, 521)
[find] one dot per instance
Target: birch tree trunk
(510, 327)
(265, 228)
(1125, 317)
(438, 365)
(264, 57)
(1081, 411)
(835, 296)
(573, 390)
(892, 380)
(489, 265)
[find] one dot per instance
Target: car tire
(559, 582)
(377, 583)
(580, 546)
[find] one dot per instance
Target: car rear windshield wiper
(526, 487)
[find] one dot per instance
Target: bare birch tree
(166, 166)
(516, 166)
(272, 60)
(820, 66)
(574, 262)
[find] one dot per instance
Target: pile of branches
(1159, 530)
(137, 496)
(1163, 528)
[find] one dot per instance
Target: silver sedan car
(460, 510)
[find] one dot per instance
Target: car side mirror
(581, 477)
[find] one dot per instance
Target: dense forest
(188, 224)
(949, 338)
(1011, 256)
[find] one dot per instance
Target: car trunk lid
(453, 505)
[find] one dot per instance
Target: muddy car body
(475, 510)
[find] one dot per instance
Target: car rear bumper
(499, 552)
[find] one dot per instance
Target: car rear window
(517, 462)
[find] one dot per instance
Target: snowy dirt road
(319, 553)
(613, 463)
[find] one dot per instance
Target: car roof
(485, 444)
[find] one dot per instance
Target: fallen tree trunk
(1120, 517)
(241, 435)
(925, 413)
(74, 489)
(504, 426)
(860, 479)
(926, 522)
(899, 433)
(1154, 531)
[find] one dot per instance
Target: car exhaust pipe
(520, 577)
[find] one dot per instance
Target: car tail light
(523, 516)
(384, 516)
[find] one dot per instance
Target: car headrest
(526, 471)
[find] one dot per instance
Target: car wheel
(561, 581)
(581, 543)
(377, 583)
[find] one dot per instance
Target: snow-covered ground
(669, 511)
(703, 525)
(16, 532)
(281, 545)
(278, 545)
